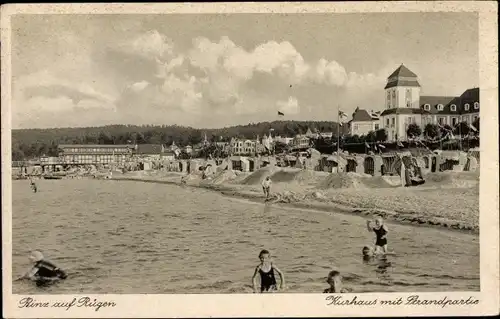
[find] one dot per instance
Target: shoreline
(311, 202)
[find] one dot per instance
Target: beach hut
(448, 160)
(474, 152)
(333, 163)
(369, 165)
(389, 164)
(472, 164)
(352, 163)
(251, 164)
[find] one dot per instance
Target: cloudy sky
(221, 70)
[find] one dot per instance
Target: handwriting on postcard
(86, 302)
(413, 300)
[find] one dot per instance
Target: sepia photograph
(244, 153)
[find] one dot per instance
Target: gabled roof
(402, 71)
(149, 149)
(470, 96)
(434, 101)
(361, 115)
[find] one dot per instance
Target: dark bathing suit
(267, 280)
(380, 232)
(49, 270)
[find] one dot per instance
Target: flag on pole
(341, 116)
(280, 113)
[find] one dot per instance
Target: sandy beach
(447, 199)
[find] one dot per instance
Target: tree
(462, 129)
(381, 135)
(370, 137)
(476, 124)
(413, 130)
(431, 130)
(445, 129)
(280, 147)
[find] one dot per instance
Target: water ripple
(125, 237)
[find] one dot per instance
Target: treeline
(31, 143)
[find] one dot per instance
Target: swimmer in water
(266, 186)
(43, 270)
(266, 270)
(381, 232)
(334, 279)
(368, 253)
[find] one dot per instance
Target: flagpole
(338, 128)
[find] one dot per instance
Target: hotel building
(79, 154)
(404, 105)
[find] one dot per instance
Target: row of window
(243, 150)
(392, 96)
(453, 107)
(93, 158)
(443, 120)
(95, 150)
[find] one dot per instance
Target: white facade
(404, 106)
(402, 96)
(364, 127)
(242, 147)
(396, 125)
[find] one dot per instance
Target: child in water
(334, 279)
(266, 270)
(43, 271)
(368, 253)
(381, 234)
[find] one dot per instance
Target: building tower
(402, 89)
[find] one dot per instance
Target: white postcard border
(270, 305)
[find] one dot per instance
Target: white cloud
(150, 45)
(291, 106)
(208, 78)
(139, 86)
(183, 93)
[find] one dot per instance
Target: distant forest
(31, 143)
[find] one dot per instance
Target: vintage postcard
(250, 160)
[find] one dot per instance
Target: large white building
(404, 105)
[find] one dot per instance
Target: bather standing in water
(266, 186)
(266, 270)
(33, 186)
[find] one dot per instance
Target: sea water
(132, 237)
